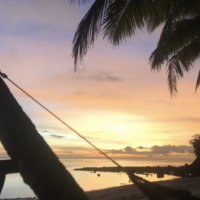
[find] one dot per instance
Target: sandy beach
(130, 192)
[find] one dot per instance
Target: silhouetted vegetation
(181, 171)
(195, 142)
(178, 45)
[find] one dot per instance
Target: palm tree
(179, 43)
(194, 167)
(195, 142)
(38, 165)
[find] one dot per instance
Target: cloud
(168, 149)
(94, 75)
(165, 150)
(189, 119)
(44, 131)
(129, 153)
(57, 136)
(141, 148)
(104, 77)
(129, 149)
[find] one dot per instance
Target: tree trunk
(39, 166)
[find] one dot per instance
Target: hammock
(155, 191)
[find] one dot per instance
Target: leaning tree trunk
(39, 166)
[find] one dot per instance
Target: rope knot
(3, 75)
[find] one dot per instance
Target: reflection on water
(14, 186)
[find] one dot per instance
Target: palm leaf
(123, 17)
(188, 55)
(89, 29)
(182, 61)
(198, 81)
(160, 12)
(178, 10)
(182, 32)
(160, 50)
(175, 71)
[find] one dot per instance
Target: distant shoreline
(128, 192)
(179, 171)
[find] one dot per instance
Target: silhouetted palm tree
(178, 46)
(195, 142)
(39, 166)
(195, 166)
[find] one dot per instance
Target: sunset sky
(114, 99)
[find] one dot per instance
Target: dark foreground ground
(131, 192)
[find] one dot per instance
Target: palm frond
(189, 54)
(88, 29)
(123, 17)
(160, 50)
(182, 32)
(189, 8)
(175, 72)
(160, 10)
(163, 10)
(198, 81)
(182, 61)
(172, 79)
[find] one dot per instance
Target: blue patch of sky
(33, 30)
(4, 45)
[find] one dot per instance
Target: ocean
(15, 187)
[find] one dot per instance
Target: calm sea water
(15, 187)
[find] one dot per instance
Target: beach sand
(131, 192)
